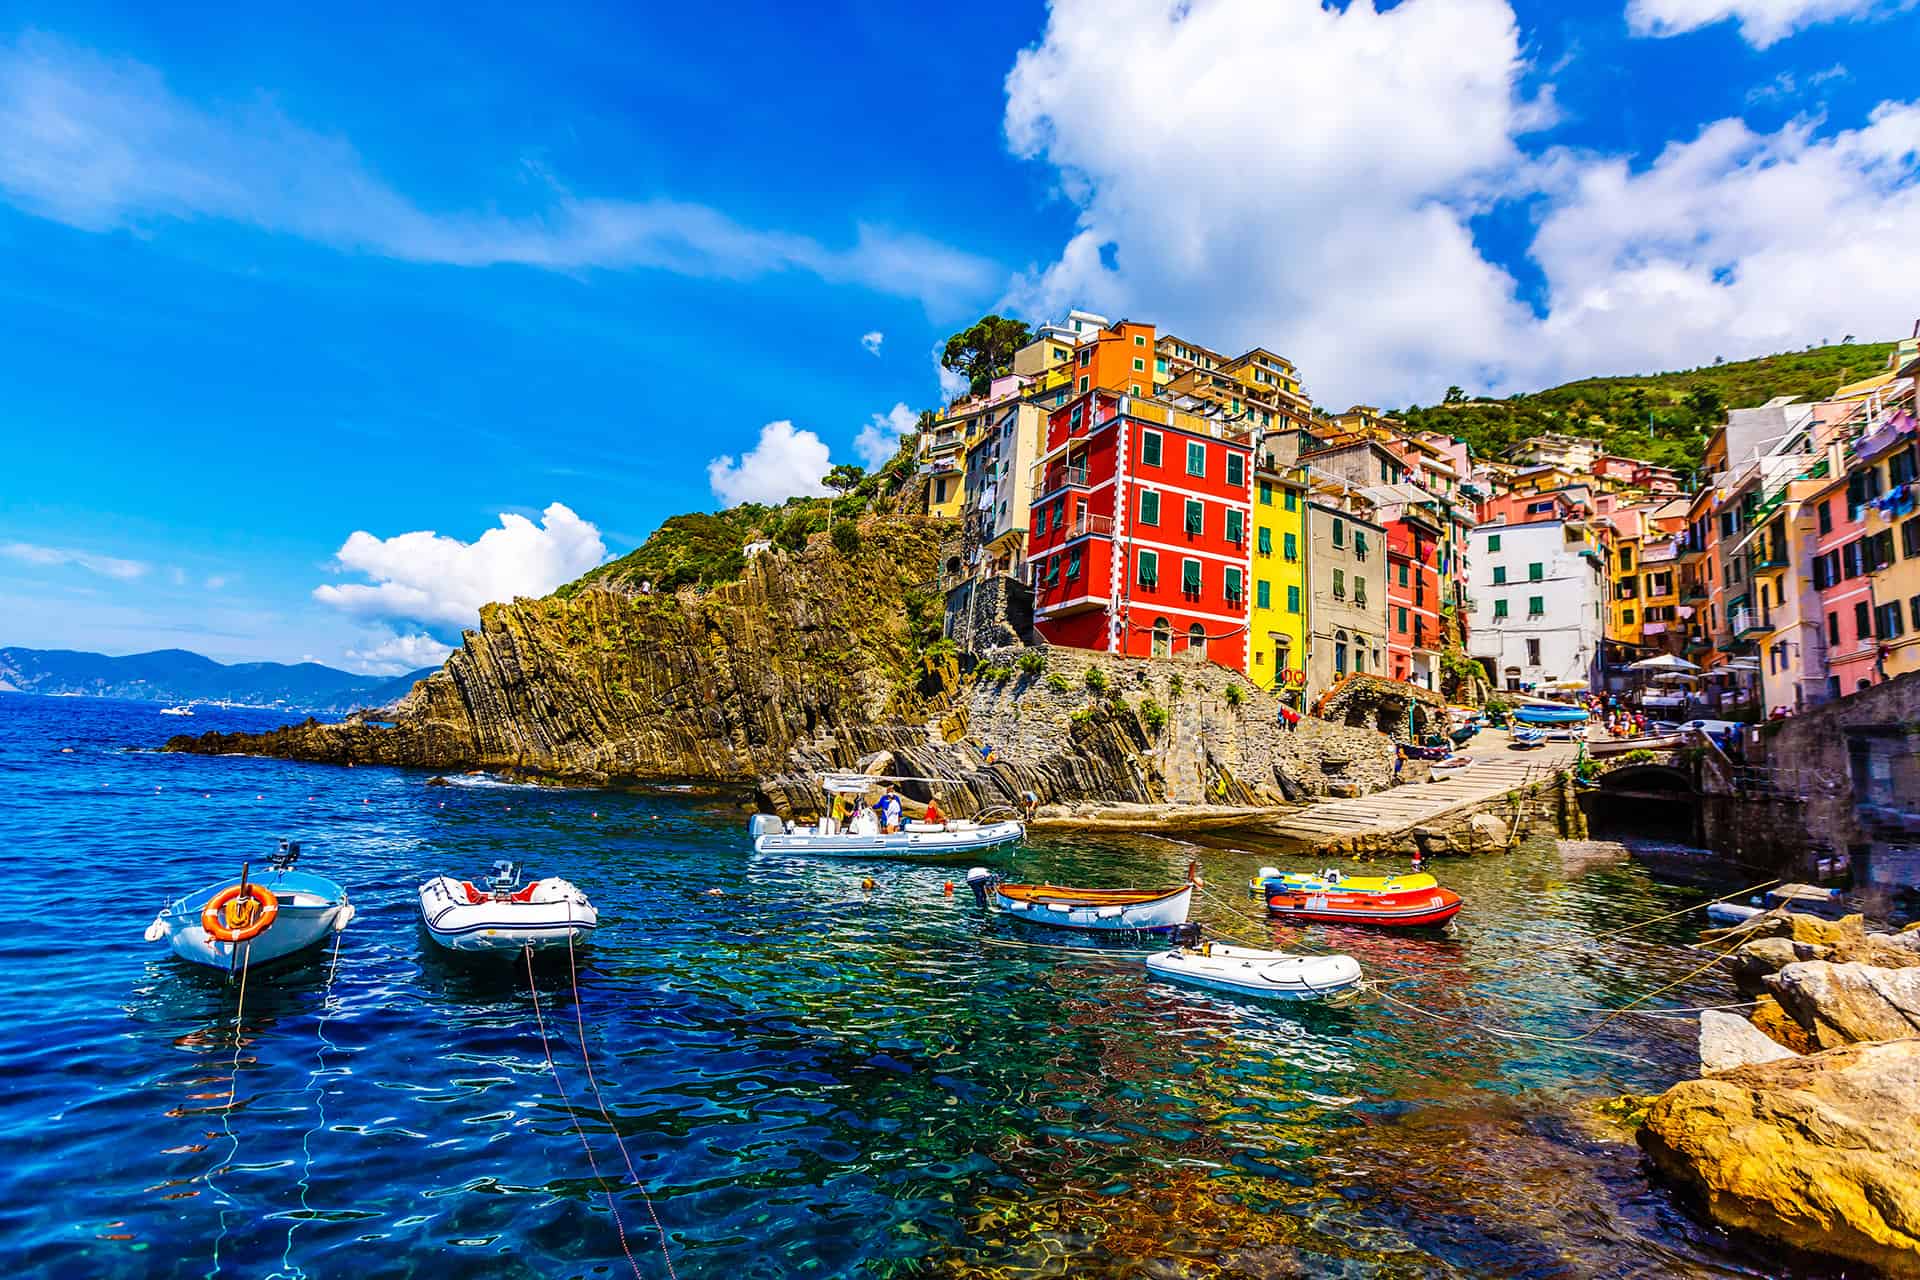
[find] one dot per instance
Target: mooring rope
(233, 1097)
(613, 1205)
(320, 1105)
(573, 974)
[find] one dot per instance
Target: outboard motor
(979, 879)
(505, 879)
(765, 824)
(1186, 935)
(1260, 879)
(286, 856)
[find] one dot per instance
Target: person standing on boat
(837, 811)
(889, 810)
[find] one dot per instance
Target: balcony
(1770, 557)
(1086, 525)
(1061, 479)
(1697, 642)
(1693, 591)
(1746, 623)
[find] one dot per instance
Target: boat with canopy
(862, 837)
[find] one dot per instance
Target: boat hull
(1309, 882)
(926, 844)
(564, 917)
(1265, 975)
(1392, 910)
(1060, 908)
(312, 910)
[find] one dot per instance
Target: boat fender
(236, 914)
(158, 929)
(978, 878)
(343, 917)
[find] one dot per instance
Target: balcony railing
(1770, 557)
(1085, 525)
(1062, 478)
(1746, 622)
(1693, 591)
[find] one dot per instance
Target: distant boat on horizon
(176, 711)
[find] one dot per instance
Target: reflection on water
(812, 1077)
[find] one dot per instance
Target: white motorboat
(505, 915)
(176, 711)
(917, 840)
(254, 918)
(1451, 766)
(1249, 971)
(1098, 910)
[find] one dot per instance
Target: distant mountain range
(175, 675)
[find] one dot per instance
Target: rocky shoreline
(1805, 1124)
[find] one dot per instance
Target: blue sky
(280, 297)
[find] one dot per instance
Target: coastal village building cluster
(1159, 497)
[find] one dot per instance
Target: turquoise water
(811, 1079)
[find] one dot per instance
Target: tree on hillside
(985, 350)
(843, 479)
(1454, 396)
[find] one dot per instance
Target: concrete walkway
(1497, 769)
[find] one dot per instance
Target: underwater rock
(1817, 1152)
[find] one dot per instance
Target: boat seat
(526, 894)
(474, 896)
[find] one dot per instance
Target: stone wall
(989, 613)
(1210, 749)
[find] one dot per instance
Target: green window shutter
(1236, 526)
(1150, 449)
(1293, 599)
(1536, 571)
(1190, 575)
(1233, 584)
(1360, 590)
(1360, 544)
(1264, 537)
(1149, 507)
(1339, 584)
(1292, 500)
(1493, 542)
(1196, 516)
(1196, 458)
(1263, 593)
(1499, 608)
(1339, 532)
(1266, 493)
(1536, 605)
(1499, 574)
(1149, 569)
(1291, 547)
(1236, 470)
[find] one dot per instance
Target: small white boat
(1248, 971)
(254, 918)
(918, 840)
(1732, 912)
(505, 915)
(1526, 738)
(1451, 767)
(176, 711)
(1098, 910)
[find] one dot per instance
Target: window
(1340, 657)
(1882, 548)
(1359, 545)
(1403, 573)
(1359, 590)
(1339, 585)
(1913, 607)
(1083, 382)
(1150, 449)
(1887, 621)
(1900, 468)
(1359, 655)
(1626, 617)
(1139, 339)
(1825, 510)
(1862, 622)
(1499, 608)
(1402, 620)
(1139, 365)
(1149, 507)
(1134, 389)
(1053, 570)
(1536, 606)
(1626, 557)
(1289, 547)
(1262, 594)
(1149, 570)
(1059, 512)
(1196, 517)
(1236, 526)
(1499, 575)
(1266, 493)
(1339, 532)
(1235, 585)
(1536, 571)
(1196, 458)
(1910, 538)
(1493, 542)
(1533, 652)
(1293, 599)
(1162, 638)
(1263, 540)
(1086, 356)
(1236, 470)
(1190, 577)
(1851, 559)
(1290, 500)
(1073, 563)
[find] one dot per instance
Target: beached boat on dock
(1249, 971)
(255, 917)
(506, 915)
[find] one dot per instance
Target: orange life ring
(230, 917)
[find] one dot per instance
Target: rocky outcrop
(1729, 1041)
(1818, 1152)
(1846, 1003)
(1795, 938)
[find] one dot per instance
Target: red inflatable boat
(1332, 905)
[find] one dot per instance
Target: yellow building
(1624, 608)
(1277, 627)
(1894, 524)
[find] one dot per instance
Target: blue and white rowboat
(309, 910)
(1248, 971)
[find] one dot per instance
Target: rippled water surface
(811, 1078)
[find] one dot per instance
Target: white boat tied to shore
(863, 838)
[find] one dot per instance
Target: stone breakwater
(818, 660)
(1805, 1125)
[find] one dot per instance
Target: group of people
(885, 816)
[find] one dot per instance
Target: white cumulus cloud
(104, 144)
(1762, 22)
(48, 557)
(785, 463)
(1342, 236)
(427, 578)
(872, 340)
(397, 654)
(879, 440)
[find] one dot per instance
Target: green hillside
(1664, 418)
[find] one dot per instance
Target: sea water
(810, 1076)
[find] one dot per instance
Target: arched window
(1197, 637)
(1162, 638)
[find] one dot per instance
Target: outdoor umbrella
(1665, 662)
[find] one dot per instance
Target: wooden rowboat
(1101, 910)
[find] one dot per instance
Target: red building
(1141, 524)
(1414, 638)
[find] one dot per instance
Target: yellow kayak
(1310, 881)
